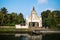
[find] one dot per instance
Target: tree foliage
(51, 19)
(10, 19)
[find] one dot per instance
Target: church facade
(34, 20)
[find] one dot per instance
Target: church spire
(33, 8)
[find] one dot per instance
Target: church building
(34, 20)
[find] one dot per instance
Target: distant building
(34, 20)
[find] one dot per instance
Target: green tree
(51, 19)
(56, 18)
(10, 18)
(3, 12)
(45, 18)
(21, 18)
(13, 18)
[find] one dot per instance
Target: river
(35, 37)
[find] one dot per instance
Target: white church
(32, 21)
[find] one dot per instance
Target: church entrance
(33, 24)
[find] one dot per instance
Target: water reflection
(39, 37)
(22, 38)
(34, 37)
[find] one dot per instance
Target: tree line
(51, 19)
(10, 19)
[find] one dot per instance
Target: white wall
(19, 26)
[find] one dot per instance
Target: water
(37, 37)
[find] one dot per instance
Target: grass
(4, 29)
(7, 28)
(12, 29)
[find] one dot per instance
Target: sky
(25, 6)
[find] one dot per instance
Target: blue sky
(25, 6)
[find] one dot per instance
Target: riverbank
(10, 29)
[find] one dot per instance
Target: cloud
(50, 9)
(42, 1)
